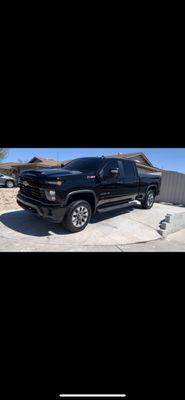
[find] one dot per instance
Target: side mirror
(114, 171)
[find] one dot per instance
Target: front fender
(70, 194)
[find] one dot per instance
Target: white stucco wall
(145, 171)
(172, 188)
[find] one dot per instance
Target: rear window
(128, 169)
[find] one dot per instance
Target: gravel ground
(8, 199)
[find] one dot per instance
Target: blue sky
(170, 158)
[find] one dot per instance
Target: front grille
(31, 190)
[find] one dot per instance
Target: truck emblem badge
(25, 183)
(90, 177)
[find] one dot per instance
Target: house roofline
(9, 166)
(131, 155)
(143, 166)
(143, 155)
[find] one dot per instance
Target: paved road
(118, 230)
(175, 242)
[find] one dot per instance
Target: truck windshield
(84, 164)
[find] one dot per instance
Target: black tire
(149, 200)
(73, 217)
(9, 183)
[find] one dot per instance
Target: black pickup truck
(72, 194)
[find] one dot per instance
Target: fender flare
(81, 191)
(150, 187)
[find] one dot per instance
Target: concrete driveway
(108, 231)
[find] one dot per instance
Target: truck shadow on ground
(29, 224)
(105, 215)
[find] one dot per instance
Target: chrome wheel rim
(150, 199)
(80, 216)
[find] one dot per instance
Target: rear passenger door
(130, 179)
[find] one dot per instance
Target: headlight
(56, 183)
(50, 195)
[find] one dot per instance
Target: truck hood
(50, 172)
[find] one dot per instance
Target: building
(172, 183)
(35, 163)
(144, 165)
(142, 162)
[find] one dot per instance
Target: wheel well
(153, 188)
(89, 197)
(9, 179)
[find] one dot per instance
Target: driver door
(109, 188)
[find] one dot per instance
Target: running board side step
(116, 207)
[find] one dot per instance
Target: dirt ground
(8, 199)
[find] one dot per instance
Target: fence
(172, 188)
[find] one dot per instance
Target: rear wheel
(9, 184)
(149, 200)
(77, 216)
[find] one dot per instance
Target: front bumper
(52, 212)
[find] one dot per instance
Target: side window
(110, 165)
(129, 170)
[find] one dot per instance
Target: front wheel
(9, 184)
(78, 216)
(149, 200)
